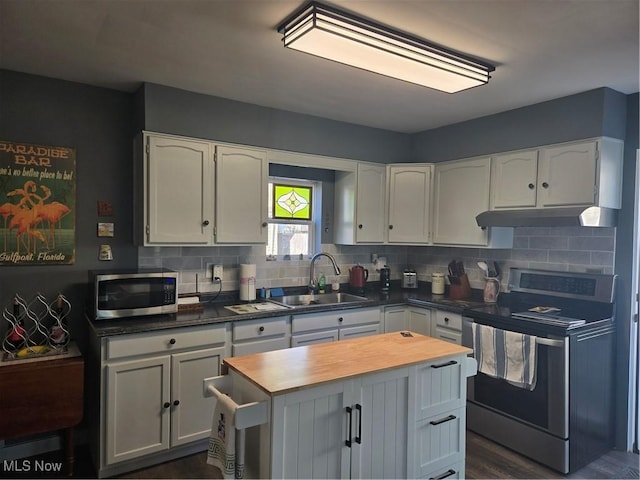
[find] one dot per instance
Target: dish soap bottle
(322, 283)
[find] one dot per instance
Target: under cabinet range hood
(550, 217)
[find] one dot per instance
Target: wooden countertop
(282, 371)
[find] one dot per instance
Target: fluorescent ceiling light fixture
(330, 33)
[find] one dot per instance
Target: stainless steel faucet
(312, 268)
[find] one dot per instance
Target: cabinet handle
(447, 364)
(446, 474)
(531, 186)
(176, 403)
(390, 227)
(205, 223)
(340, 319)
(360, 226)
(172, 341)
(264, 224)
(359, 436)
(350, 413)
(446, 319)
(545, 185)
(166, 404)
(261, 329)
(443, 420)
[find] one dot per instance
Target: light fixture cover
(330, 33)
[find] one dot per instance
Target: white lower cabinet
(151, 395)
(352, 429)
(321, 327)
(440, 419)
(395, 318)
(258, 336)
(406, 422)
(448, 326)
(412, 318)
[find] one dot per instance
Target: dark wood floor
(485, 460)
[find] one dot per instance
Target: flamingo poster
(37, 204)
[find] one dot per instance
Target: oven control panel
(590, 286)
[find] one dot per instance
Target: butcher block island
(384, 406)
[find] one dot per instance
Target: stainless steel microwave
(130, 293)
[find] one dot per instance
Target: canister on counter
(437, 283)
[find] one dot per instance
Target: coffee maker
(385, 278)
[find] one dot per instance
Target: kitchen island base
(388, 406)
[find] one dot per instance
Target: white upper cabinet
(360, 205)
(461, 191)
(409, 203)
(370, 203)
(178, 181)
(186, 200)
(242, 176)
(581, 173)
(514, 177)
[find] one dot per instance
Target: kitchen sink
(319, 299)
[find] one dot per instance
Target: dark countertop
(214, 312)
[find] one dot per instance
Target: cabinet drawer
(359, 331)
(260, 346)
(447, 335)
(441, 442)
(313, 338)
(254, 329)
(440, 386)
(450, 472)
(338, 318)
(449, 320)
(164, 341)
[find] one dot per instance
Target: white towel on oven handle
(507, 355)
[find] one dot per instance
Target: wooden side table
(41, 395)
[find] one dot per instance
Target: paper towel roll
(247, 282)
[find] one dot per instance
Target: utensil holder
(461, 291)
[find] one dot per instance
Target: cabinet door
(370, 203)
(310, 428)
(241, 195)
(420, 320)
(395, 319)
(409, 203)
(190, 410)
(461, 191)
(381, 423)
(514, 180)
(179, 201)
(138, 408)
(567, 175)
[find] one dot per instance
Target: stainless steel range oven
(566, 421)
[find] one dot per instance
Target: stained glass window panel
(291, 201)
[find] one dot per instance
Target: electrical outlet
(217, 272)
(209, 270)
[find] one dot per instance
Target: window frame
(316, 209)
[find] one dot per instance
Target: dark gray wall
(623, 262)
(98, 124)
(170, 110)
(589, 114)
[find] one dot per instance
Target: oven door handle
(549, 342)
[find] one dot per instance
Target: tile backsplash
(577, 249)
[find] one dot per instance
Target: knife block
(462, 291)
